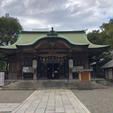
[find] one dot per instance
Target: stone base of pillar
(35, 74)
(80, 76)
(70, 74)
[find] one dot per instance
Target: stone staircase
(48, 84)
(39, 84)
(104, 82)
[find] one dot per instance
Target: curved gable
(27, 38)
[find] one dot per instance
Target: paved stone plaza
(11, 99)
(98, 100)
(14, 96)
(51, 101)
(8, 107)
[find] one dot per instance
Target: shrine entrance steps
(50, 84)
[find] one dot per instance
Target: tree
(2, 66)
(95, 37)
(111, 21)
(107, 29)
(104, 37)
(9, 29)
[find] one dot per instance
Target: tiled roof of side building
(73, 37)
(108, 65)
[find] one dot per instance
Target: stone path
(6, 107)
(51, 101)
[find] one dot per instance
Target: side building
(50, 55)
(108, 69)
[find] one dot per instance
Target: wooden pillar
(86, 65)
(112, 73)
(34, 66)
(70, 69)
(7, 68)
(22, 64)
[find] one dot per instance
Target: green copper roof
(13, 46)
(74, 37)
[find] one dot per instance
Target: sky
(60, 14)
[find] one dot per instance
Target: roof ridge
(72, 31)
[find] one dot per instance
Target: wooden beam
(57, 55)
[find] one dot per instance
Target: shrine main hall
(42, 55)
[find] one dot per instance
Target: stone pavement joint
(6, 107)
(51, 101)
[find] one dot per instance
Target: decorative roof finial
(52, 29)
(52, 33)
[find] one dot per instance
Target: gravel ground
(98, 100)
(14, 96)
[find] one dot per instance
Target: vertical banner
(1, 78)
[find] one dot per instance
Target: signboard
(27, 70)
(81, 69)
(77, 68)
(1, 78)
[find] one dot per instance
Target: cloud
(62, 14)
